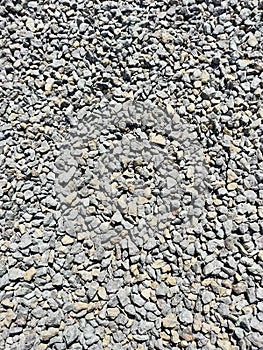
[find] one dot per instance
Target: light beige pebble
(82, 235)
(231, 176)
(252, 40)
(171, 280)
(175, 337)
(159, 139)
(67, 240)
(165, 336)
(102, 293)
(113, 312)
(158, 264)
(29, 274)
(146, 293)
(71, 197)
(205, 77)
(232, 186)
(170, 321)
(197, 84)
(79, 306)
(191, 108)
(49, 333)
(30, 24)
(224, 344)
(7, 303)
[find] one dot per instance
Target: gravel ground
(131, 175)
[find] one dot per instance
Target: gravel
(131, 175)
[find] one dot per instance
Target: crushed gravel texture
(131, 175)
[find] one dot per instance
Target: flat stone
(49, 333)
(117, 217)
(146, 293)
(79, 306)
(231, 176)
(161, 290)
(15, 274)
(71, 334)
(132, 209)
(256, 339)
(141, 337)
(170, 321)
(159, 139)
(137, 300)
(7, 303)
(213, 267)
(54, 319)
(207, 297)
(250, 195)
(49, 84)
(66, 240)
(44, 147)
(239, 332)
(232, 186)
(133, 249)
(25, 241)
(171, 280)
(150, 244)
(113, 312)
(256, 324)
(259, 293)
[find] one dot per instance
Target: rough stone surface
(131, 175)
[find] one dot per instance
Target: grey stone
(150, 306)
(54, 319)
(130, 309)
(256, 339)
(256, 324)
(57, 280)
(88, 331)
(123, 297)
(4, 281)
(251, 295)
(141, 337)
(239, 288)
(250, 195)
(185, 316)
(137, 300)
(71, 334)
(25, 241)
(259, 293)
(28, 194)
(207, 297)
(244, 323)
(223, 309)
(15, 274)
(239, 332)
(161, 290)
(150, 244)
(212, 268)
(133, 249)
